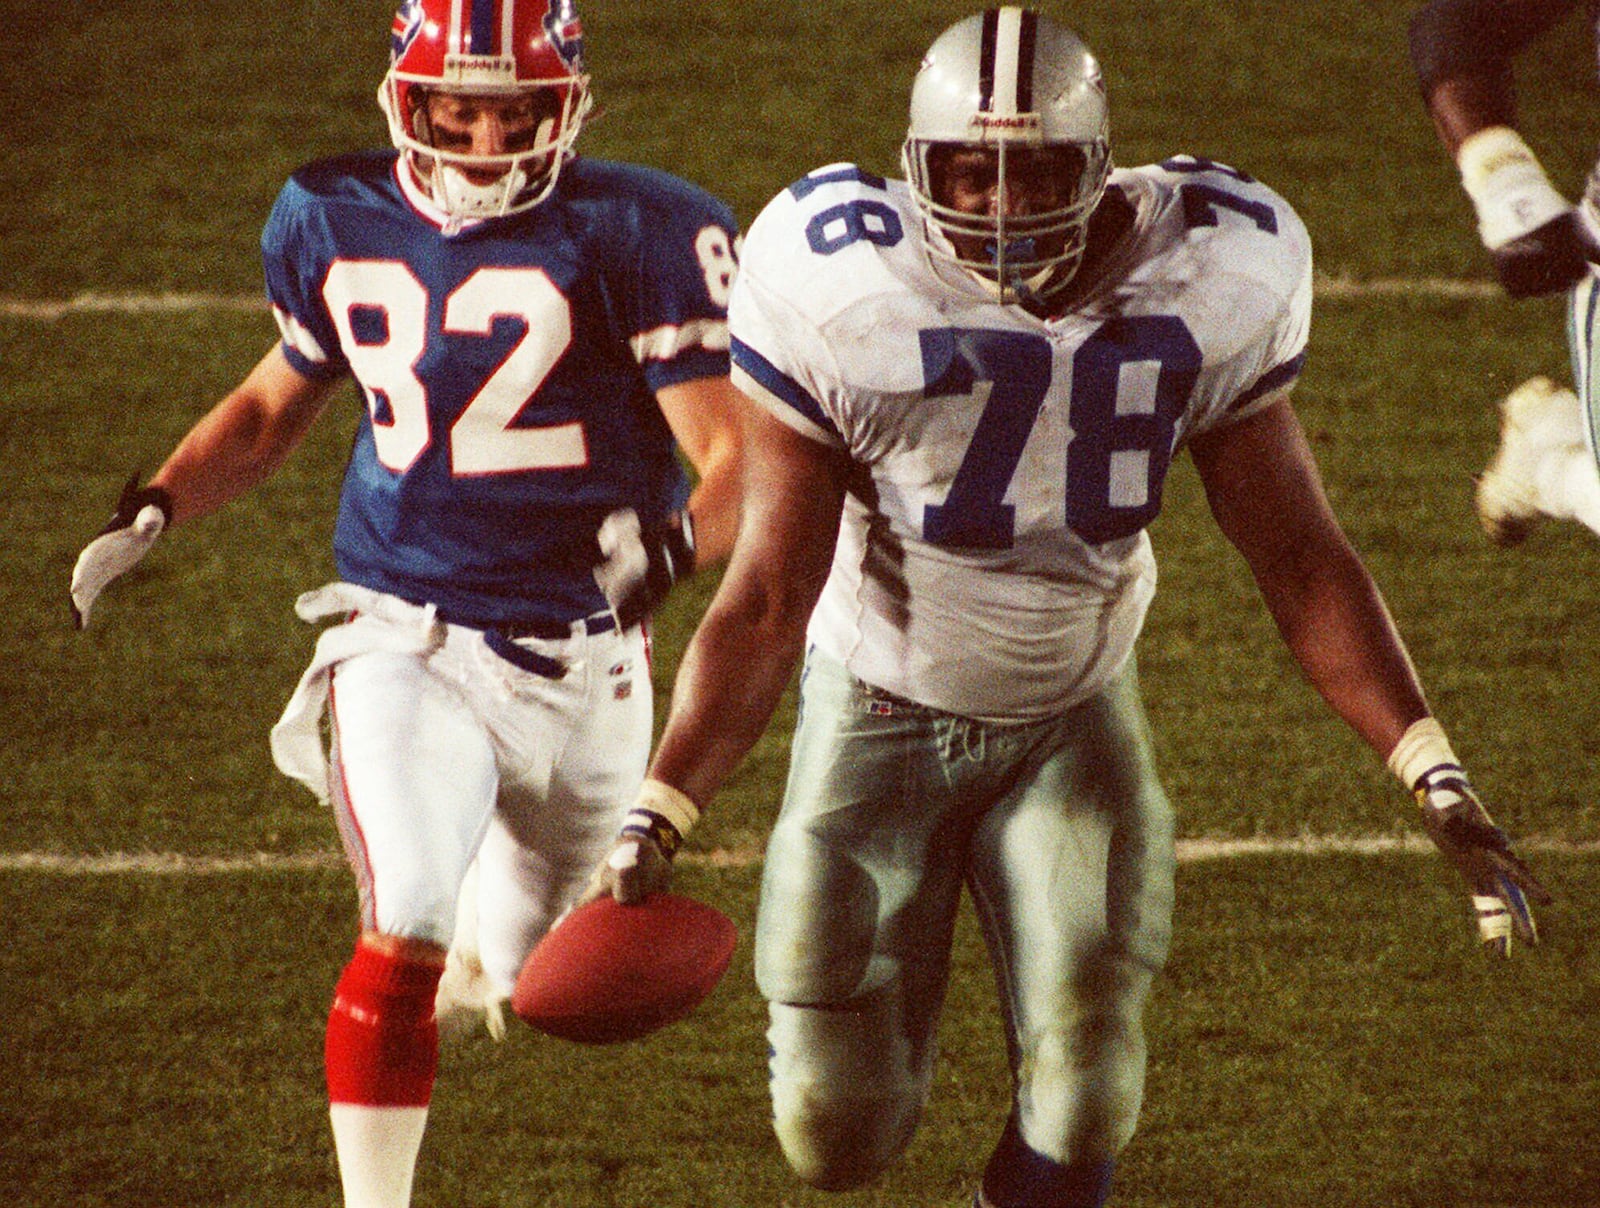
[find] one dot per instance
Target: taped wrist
(1507, 185)
(1422, 750)
(663, 814)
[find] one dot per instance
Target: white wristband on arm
(1507, 185)
(673, 804)
(1421, 748)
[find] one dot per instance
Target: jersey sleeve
(781, 358)
(293, 266)
(683, 268)
(1252, 258)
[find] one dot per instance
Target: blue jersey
(508, 370)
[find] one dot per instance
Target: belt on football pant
(502, 639)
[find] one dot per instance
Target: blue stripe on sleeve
(1273, 379)
(781, 385)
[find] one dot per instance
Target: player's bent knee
(839, 1144)
(846, 1094)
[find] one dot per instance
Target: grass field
(1326, 1034)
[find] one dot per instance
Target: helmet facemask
(1024, 240)
(1013, 94)
(508, 67)
(540, 121)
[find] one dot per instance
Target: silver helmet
(1004, 80)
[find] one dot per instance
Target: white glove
(142, 513)
(639, 564)
(1508, 187)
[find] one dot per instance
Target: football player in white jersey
(1540, 243)
(968, 388)
(534, 335)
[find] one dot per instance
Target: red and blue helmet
(486, 48)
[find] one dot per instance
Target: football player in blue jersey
(968, 387)
(534, 335)
(1463, 52)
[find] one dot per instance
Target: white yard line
(157, 863)
(96, 302)
(1189, 851)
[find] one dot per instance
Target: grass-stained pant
(1064, 838)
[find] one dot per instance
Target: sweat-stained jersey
(508, 370)
(992, 559)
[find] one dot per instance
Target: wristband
(659, 802)
(1421, 749)
(1508, 187)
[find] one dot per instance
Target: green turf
(1379, 1062)
(1326, 1035)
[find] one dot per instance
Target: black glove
(1499, 882)
(639, 564)
(1549, 259)
(142, 513)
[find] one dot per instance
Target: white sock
(377, 1148)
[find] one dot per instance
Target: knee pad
(847, 1089)
(1080, 1081)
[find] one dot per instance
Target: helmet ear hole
(416, 101)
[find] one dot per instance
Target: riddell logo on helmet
(479, 70)
(1014, 121)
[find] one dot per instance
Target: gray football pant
(1062, 834)
(1583, 342)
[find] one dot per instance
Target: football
(608, 973)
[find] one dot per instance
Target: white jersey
(992, 559)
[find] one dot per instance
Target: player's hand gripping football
(142, 513)
(640, 862)
(1500, 883)
(639, 564)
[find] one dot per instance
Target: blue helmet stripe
(484, 17)
(991, 27)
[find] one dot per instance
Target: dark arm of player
(738, 663)
(1265, 492)
(1462, 51)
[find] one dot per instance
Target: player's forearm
(732, 677)
(1463, 106)
(242, 440)
(714, 508)
(1338, 628)
(221, 458)
(1462, 53)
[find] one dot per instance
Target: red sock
(383, 1040)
